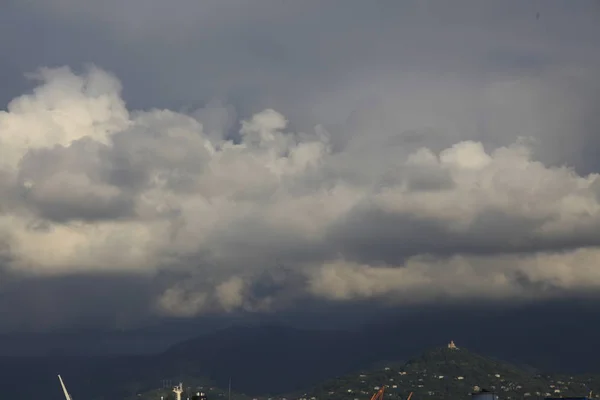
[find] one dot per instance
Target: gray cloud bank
(475, 184)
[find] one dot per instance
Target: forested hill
(445, 373)
(440, 373)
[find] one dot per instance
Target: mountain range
(275, 358)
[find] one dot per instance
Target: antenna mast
(229, 388)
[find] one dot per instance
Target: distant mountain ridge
(529, 336)
(276, 358)
(439, 373)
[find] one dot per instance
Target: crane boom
(64, 388)
(379, 394)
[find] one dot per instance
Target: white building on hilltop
(452, 346)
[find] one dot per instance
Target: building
(452, 346)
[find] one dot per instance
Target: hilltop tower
(452, 346)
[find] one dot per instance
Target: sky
(218, 158)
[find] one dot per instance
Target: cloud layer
(228, 157)
(271, 217)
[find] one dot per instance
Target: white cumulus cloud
(88, 186)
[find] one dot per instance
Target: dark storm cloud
(373, 235)
(431, 158)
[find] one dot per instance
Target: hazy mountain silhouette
(273, 358)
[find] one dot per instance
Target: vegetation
(453, 374)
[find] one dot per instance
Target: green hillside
(445, 373)
(441, 373)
